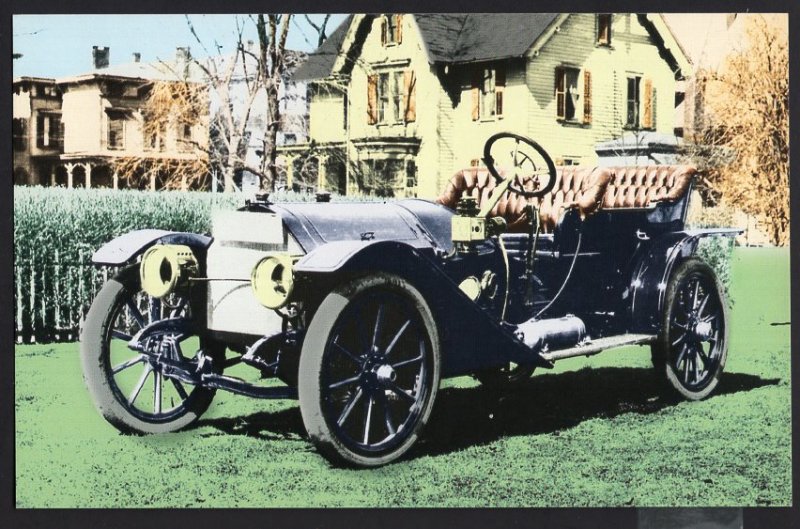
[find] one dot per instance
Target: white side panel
(241, 239)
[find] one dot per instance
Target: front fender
(127, 247)
(471, 338)
(647, 289)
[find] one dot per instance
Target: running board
(593, 347)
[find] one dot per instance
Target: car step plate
(600, 344)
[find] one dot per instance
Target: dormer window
(604, 29)
(392, 29)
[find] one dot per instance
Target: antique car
(360, 309)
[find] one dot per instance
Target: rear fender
(644, 295)
(471, 339)
(127, 247)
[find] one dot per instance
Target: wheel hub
(703, 330)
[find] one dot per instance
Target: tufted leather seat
(579, 187)
(638, 187)
(585, 188)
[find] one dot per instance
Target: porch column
(322, 162)
(116, 179)
(152, 182)
(53, 175)
(69, 168)
(87, 169)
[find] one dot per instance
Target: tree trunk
(227, 175)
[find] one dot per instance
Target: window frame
(566, 71)
(604, 22)
(633, 111)
(117, 144)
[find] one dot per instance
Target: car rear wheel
(692, 347)
(134, 389)
(369, 371)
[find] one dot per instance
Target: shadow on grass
(464, 417)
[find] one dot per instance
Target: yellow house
(399, 102)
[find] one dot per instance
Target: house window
(384, 95)
(20, 134)
(116, 131)
(186, 137)
(391, 97)
(392, 29)
(385, 178)
(411, 174)
(633, 101)
(604, 29)
(49, 131)
(155, 140)
(567, 93)
(488, 87)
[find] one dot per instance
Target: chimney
(137, 56)
(182, 57)
(100, 57)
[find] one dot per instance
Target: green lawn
(590, 433)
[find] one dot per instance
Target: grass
(590, 433)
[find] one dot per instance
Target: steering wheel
(532, 162)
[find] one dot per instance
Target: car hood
(414, 221)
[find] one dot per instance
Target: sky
(61, 45)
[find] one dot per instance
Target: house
(76, 131)
(37, 131)
(399, 102)
(86, 123)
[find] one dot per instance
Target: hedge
(56, 230)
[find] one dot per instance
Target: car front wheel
(369, 371)
(136, 390)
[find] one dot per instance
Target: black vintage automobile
(359, 310)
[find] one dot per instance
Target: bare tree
(176, 157)
(747, 127)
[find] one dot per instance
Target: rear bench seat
(587, 189)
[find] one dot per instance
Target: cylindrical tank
(555, 333)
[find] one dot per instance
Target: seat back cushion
(575, 186)
(639, 187)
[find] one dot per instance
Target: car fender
(645, 293)
(472, 340)
(127, 247)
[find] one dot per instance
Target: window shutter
(560, 93)
(476, 94)
(587, 96)
(372, 99)
(398, 21)
(655, 109)
(383, 31)
(647, 118)
(410, 95)
(499, 88)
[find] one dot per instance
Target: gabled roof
(450, 38)
(453, 38)
(459, 38)
(320, 63)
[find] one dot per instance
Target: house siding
(631, 51)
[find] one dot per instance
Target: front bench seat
(581, 187)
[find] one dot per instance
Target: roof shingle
(450, 38)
